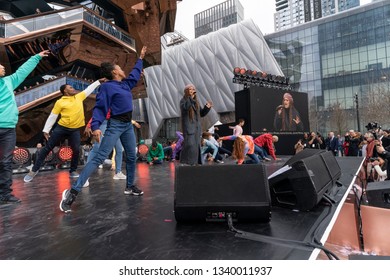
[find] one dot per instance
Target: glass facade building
(217, 17)
(338, 60)
(291, 13)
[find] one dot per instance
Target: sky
(261, 11)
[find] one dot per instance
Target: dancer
(70, 107)
(264, 146)
(115, 94)
(8, 120)
(243, 145)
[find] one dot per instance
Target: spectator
(155, 153)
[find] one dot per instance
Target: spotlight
(236, 70)
(242, 71)
(65, 155)
(21, 159)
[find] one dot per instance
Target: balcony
(20, 27)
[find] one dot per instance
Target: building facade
(291, 13)
(217, 17)
(338, 60)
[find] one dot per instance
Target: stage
(107, 225)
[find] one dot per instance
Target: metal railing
(39, 91)
(42, 90)
(38, 22)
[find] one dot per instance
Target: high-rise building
(337, 60)
(290, 13)
(217, 17)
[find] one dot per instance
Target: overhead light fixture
(249, 77)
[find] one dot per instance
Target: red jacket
(265, 141)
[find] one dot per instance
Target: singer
(192, 129)
(287, 118)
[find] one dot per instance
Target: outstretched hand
(297, 120)
(143, 52)
(44, 53)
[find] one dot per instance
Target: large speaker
(378, 194)
(302, 184)
(303, 154)
(210, 193)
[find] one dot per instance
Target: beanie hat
(188, 86)
(288, 96)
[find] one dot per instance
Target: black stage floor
(107, 225)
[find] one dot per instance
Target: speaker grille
(239, 189)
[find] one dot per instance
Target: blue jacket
(8, 109)
(115, 95)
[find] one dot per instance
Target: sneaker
(219, 161)
(30, 176)
(74, 174)
(133, 190)
(9, 199)
(86, 184)
(119, 176)
(67, 200)
(100, 166)
(267, 159)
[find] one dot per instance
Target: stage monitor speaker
(302, 184)
(378, 194)
(303, 154)
(210, 193)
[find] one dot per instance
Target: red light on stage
(21, 158)
(65, 155)
(242, 71)
(236, 70)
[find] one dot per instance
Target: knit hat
(288, 96)
(188, 86)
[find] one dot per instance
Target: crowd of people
(373, 146)
(111, 127)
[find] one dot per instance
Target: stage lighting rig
(248, 77)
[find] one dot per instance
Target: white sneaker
(86, 184)
(100, 166)
(119, 176)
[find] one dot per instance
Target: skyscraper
(294, 12)
(219, 16)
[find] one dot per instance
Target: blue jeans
(261, 151)
(58, 134)
(118, 150)
(254, 159)
(7, 146)
(115, 130)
